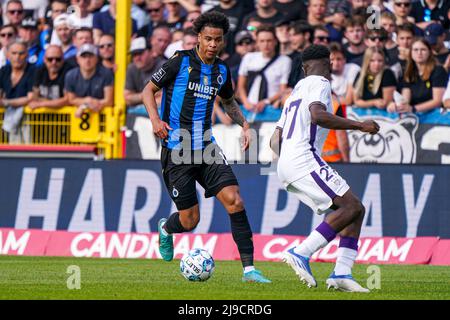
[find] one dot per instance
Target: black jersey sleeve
(388, 79)
(439, 77)
(226, 92)
(168, 72)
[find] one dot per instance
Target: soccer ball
(197, 265)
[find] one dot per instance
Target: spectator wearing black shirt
(446, 99)
(90, 86)
(300, 37)
(426, 12)
(265, 13)
(424, 81)
(355, 33)
(292, 9)
(48, 83)
(375, 84)
(435, 35)
(235, 11)
(401, 10)
(16, 81)
(282, 32)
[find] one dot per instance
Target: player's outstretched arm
(321, 117)
(148, 96)
(234, 111)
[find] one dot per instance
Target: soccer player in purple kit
(300, 133)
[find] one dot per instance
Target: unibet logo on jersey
(203, 90)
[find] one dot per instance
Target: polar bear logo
(394, 143)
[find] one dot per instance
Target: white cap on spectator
(61, 20)
(139, 44)
(87, 48)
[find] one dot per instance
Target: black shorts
(180, 178)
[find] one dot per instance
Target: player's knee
(357, 209)
(352, 209)
(235, 203)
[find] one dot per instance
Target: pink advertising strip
(420, 250)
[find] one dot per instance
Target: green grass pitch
(46, 278)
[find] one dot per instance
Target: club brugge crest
(220, 79)
(205, 80)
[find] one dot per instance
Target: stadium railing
(49, 127)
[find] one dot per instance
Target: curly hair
(212, 19)
(315, 52)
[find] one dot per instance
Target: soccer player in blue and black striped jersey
(190, 82)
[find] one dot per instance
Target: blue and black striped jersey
(189, 90)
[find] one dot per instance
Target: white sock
(314, 242)
(248, 269)
(344, 262)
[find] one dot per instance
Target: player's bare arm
(275, 140)
(321, 117)
(159, 127)
(234, 111)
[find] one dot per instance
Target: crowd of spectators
(61, 52)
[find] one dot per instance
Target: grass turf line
(46, 278)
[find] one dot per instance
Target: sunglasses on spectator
(323, 38)
(53, 59)
(251, 28)
(402, 4)
(15, 11)
(106, 45)
(245, 42)
(153, 10)
(6, 35)
(378, 38)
